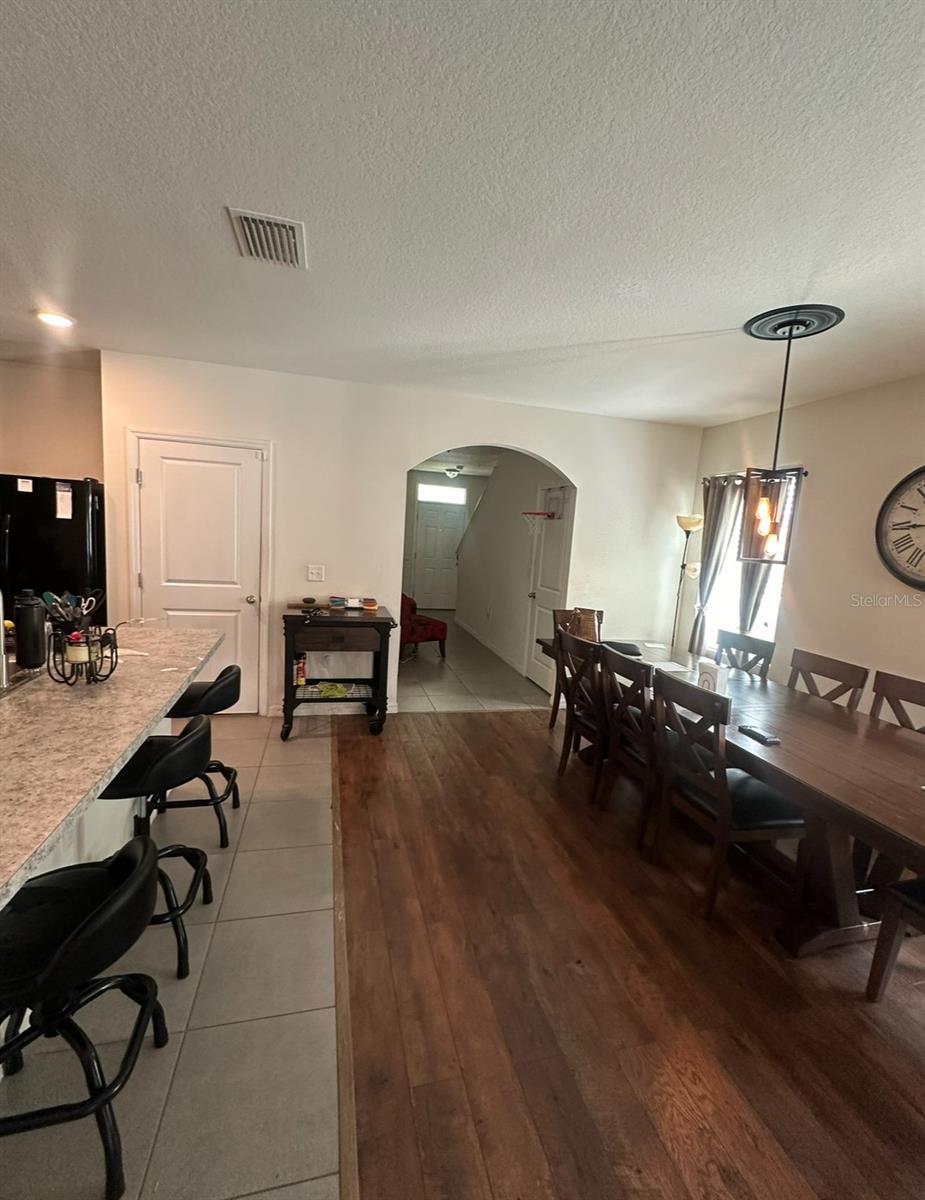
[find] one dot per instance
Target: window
(722, 610)
(441, 494)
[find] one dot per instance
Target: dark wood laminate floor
(538, 1012)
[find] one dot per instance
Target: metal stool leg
(14, 1063)
(217, 809)
(197, 860)
(105, 1117)
(176, 923)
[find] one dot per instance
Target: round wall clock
(901, 530)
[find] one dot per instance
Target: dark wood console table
(311, 633)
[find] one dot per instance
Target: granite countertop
(60, 745)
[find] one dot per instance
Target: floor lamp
(689, 523)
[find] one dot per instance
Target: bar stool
(206, 698)
(159, 764)
(57, 934)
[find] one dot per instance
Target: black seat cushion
(163, 762)
(132, 779)
(42, 914)
(631, 649)
(754, 804)
(64, 927)
(912, 894)
(207, 697)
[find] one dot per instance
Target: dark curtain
(722, 499)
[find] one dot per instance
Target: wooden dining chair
(730, 805)
(744, 653)
(582, 622)
(626, 691)
(898, 691)
(849, 679)
(903, 904)
(584, 708)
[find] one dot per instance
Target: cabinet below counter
(60, 745)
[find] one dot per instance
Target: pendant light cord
(783, 394)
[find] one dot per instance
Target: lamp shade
(690, 523)
(769, 510)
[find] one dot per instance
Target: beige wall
(50, 421)
(496, 558)
(856, 448)
(341, 454)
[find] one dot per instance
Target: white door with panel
(549, 579)
(199, 533)
(438, 530)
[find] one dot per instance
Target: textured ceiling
(573, 204)
(474, 460)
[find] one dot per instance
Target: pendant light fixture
(771, 493)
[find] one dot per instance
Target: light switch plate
(314, 573)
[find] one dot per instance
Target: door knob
(251, 599)
(531, 595)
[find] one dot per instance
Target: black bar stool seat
(57, 934)
(206, 698)
(159, 764)
(210, 696)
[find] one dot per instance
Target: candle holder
(84, 651)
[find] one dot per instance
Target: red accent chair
(415, 629)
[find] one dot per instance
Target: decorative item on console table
(336, 630)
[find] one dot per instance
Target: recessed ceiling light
(56, 320)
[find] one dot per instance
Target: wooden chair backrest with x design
(744, 653)
(849, 679)
(625, 684)
(898, 691)
(692, 753)
(581, 681)
(690, 728)
(582, 622)
(584, 708)
(733, 807)
(626, 693)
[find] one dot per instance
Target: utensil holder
(78, 651)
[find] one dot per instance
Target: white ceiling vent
(269, 239)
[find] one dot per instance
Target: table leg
(831, 915)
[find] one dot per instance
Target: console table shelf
(348, 631)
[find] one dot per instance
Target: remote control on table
(766, 739)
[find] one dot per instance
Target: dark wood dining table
(861, 784)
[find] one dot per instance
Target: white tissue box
(711, 677)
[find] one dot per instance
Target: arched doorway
(483, 580)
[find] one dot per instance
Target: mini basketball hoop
(534, 519)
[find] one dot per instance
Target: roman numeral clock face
(901, 530)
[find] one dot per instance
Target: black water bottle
(29, 618)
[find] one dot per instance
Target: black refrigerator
(52, 537)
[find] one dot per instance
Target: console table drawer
(336, 639)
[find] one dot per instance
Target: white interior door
(439, 528)
(200, 527)
(549, 583)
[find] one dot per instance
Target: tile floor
(470, 678)
(243, 1100)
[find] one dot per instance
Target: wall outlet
(314, 574)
